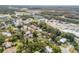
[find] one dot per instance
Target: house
(6, 34)
(27, 21)
(48, 49)
(68, 49)
(34, 27)
(17, 22)
(7, 44)
(49, 39)
(19, 13)
(77, 34)
(28, 34)
(4, 17)
(63, 40)
(15, 29)
(24, 28)
(3, 25)
(40, 30)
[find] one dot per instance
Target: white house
(3, 25)
(48, 49)
(7, 44)
(28, 34)
(18, 22)
(24, 28)
(63, 40)
(6, 34)
(27, 20)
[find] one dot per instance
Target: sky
(39, 2)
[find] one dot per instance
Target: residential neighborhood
(39, 29)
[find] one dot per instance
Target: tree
(69, 36)
(35, 34)
(17, 35)
(1, 49)
(32, 46)
(56, 49)
(2, 38)
(43, 25)
(10, 28)
(58, 38)
(19, 46)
